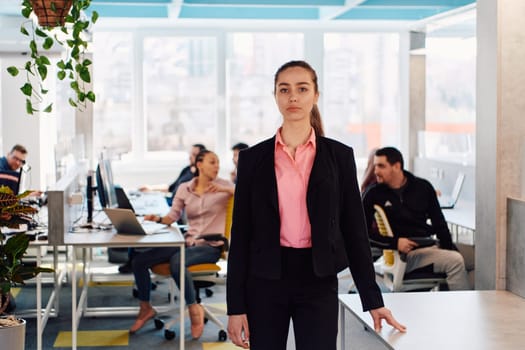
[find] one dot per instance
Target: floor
(111, 332)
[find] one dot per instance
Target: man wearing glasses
(14, 159)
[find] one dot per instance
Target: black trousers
(309, 301)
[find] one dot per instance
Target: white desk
(446, 320)
(111, 239)
(462, 221)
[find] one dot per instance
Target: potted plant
(12, 269)
(62, 23)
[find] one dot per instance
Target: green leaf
(75, 52)
(23, 30)
(74, 86)
(84, 75)
(43, 91)
(40, 33)
(27, 89)
(13, 71)
(72, 103)
(61, 74)
(94, 16)
(61, 64)
(81, 96)
(29, 106)
(48, 43)
(42, 70)
(45, 60)
(86, 62)
(32, 46)
(26, 12)
(49, 108)
(53, 7)
(91, 96)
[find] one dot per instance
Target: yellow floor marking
(106, 283)
(94, 338)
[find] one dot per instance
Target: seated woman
(204, 198)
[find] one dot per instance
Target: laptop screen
(457, 187)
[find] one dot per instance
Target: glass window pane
(112, 74)
(451, 84)
(252, 59)
(361, 89)
(180, 88)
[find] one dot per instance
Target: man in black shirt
(412, 209)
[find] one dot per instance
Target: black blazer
(339, 235)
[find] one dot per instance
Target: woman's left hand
(213, 187)
(382, 313)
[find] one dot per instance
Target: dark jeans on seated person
(194, 255)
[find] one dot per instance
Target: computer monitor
(105, 186)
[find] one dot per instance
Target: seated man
(15, 159)
(409, 202)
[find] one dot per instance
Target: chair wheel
(208, 292)
(135, 293)
(153, 286)
(169, 334)
(222, 335)
(159, 323)
(206, 320)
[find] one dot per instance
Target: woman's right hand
(151, 217)
(238, 330)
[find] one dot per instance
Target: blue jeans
(142, 262)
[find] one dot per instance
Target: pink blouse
(292, 184)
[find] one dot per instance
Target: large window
(361, 89)
(252, 61)
(180, 89)
(159, 93)
(113, 112)
(450, 96)
(451, 84)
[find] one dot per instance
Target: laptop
(123, 201)
(126, 223)
(449, 201)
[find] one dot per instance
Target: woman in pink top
(204, 198)
(297, 221)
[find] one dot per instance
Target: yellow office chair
(392, 268)
(204, 276)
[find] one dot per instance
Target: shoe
(142, 319)
(197, 320)
(126, 268)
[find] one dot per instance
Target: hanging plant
(62, 23)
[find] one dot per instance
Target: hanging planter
(51, 13)
(61, 23)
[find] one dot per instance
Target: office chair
(392, 268)
(204, 276)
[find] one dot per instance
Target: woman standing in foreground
(297, 221)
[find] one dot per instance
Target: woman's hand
(191, 241)
(151, 217)
(238, 330)
(213, 187)
(382, 313)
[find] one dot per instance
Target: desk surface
(450, 320)
(463, 214)
(110, 238)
